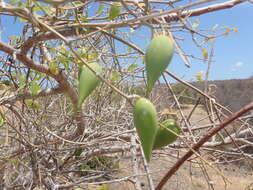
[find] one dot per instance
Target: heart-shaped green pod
(145, 121)
(88, 81)
(164, 136)
(158, 56)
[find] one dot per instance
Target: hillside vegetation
(233, 94)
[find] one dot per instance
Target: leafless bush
(47, 144)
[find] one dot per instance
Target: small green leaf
(77, 3)
(12, 38)
(2, 121)
(28, 102)
(14, 162)
(83, 18)
(36, 9)
(100, 9)
(78, 153)
(199, 76)
(132, 67)
(34, 87)
(141, 5)
(90, 57)
(205, 53)
(77, 31)
(53, 67)
(115, 76)
(70, 108)
(104, 187)
(22, 19)
(66, 65)
(114, 12)
(32, 104)
(22, 81)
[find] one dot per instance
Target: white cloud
(238, 64)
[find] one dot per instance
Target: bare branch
(60, 77)
(169, 16)
(201, 142)
(14, 98)
(203, 10)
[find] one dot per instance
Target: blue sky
(233, 54)
(233, 57)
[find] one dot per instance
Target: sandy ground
(191, 176)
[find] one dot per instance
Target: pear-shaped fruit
(164, 136)
(145, 121)
(157, 58)
(88, 81)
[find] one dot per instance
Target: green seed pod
(88, 81)
(145, 121)
(158, 56)
(164, 136)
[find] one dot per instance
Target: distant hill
(233, 94)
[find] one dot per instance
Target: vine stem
(195, 147)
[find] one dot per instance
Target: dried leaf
(199, 76)
(205, 53)
(227, 31)
(141, 5)
(196, 24)
(235, 30)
